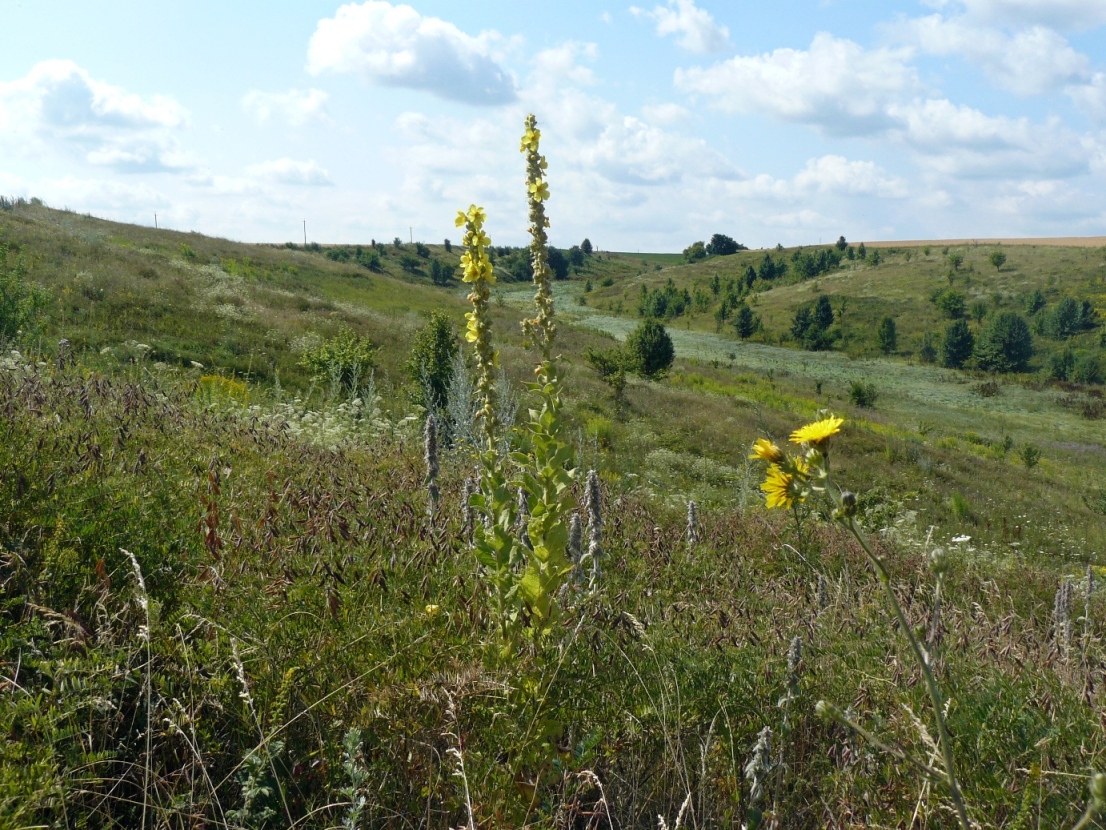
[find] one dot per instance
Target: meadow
(231, 597)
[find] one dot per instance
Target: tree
(862, 252)
(695, 252)
(722, 245)
(649, 349)
(422, 250)
(956, 259)
(430, 364)
(886, 336)
(558, 264)
(950, 302)
(585, 246)
(1034, 301)
(1005, 345)
(957, 345)
(745, 322)
(841, 243)
(448, 247)
(576, 257)
(998, 259)
(440, 272)
(823, 312)
(928, 350)
(610, 365)
(409, 263)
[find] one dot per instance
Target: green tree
(440, 272)
(950, 302)
(862, 252)
(956, 259)
(886, 336)
(978, 311)
(823, 312)
(928, 350)
(695, 252)
(422, 250)
(1005, 345)
(722, 245)
(957, 345)
(746, 323)
(448, 247)
(841, 243)
(997, 259)
(1034, 301)
(649, 349)
(430, 363)
(611, 366)
(585, 246)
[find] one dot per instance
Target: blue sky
(664, 121)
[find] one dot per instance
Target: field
(227, 603)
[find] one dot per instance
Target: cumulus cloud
(59, 104)
(830, 175)
(694, 28)
(835, 85)
(295, 107)
(396, 46)
(1066, 15)
(666, 113)
(290, 171)
(964, 142)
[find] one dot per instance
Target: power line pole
(155, 222)
(305, 233)
(411, 231)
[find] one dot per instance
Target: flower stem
(931, 683)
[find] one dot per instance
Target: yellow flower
(530, 140)
(539, 190)
(767, 451)
(780, 488)
(431, 610)
(817, 432)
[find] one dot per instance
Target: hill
(224, 602)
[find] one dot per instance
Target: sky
(790, 122)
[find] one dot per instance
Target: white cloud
(1032, 61)
(666, 113)
(836, 86)
(560, 65)
(1066, 15)
(295, 107)
(695, 29)
(830, 175)
(396, 46)
(960, 141)
(58, 104)
(290, 171)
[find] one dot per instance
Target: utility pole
(411, 231)
(305, 233)
(155, 222)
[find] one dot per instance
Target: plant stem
(931, 683)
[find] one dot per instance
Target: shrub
(430, 364)
(997, 259)
(1005, 345)
(422, 251)
(928, 350)
(863, 394)
(695, 252)
(951, 303)
(649, 349)
(957, 345)
(745, 322)
(346, 359)
(722, 245)
(20, 302)
(1030, 455)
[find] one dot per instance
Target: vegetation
(247, 584)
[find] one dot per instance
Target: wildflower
(766, 450)
(782, 489)
(760, 764)
(692, 524)
(817, 432)
(432, 610)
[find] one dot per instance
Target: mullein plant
(525, 573)
(796, 476)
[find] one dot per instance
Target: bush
(649, 349)
(997, 259)
(951, 303)
(421, 250)
(957, 345)
(722, 245)
(928, 350)
(20, 302)
(1086, 369)
(863, 394)
(1006, 344)
(695, 252)
(430, 364)
(346, 359)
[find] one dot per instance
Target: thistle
(432, 467)
(692, 524)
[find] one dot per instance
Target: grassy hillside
(295, 643)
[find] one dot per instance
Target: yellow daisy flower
(779, 488)
(817, 432)
(765, 450)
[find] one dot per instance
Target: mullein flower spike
(541, 328)
(692, 524)
(479, 273)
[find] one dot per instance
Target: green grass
(295, 535)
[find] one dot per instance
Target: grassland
(294, 637)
